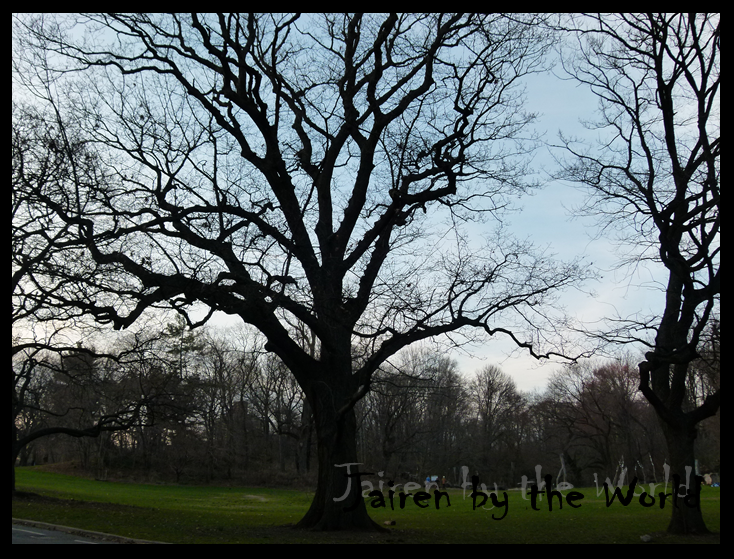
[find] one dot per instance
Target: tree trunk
(15, 448)
(337, 444)
(685, 519)
(15, 456)
(303, 446)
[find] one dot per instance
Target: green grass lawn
(207, 514)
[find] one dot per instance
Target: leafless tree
(657, 77)
(77, 392)
(603, 416)
(315, 169)
(495, 404)
(56, 388)
(410, 416)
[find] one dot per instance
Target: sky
(546, 219)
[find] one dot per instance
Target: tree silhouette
(657, 77)
(314, 170)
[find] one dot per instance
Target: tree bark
(338, 503)
(685, 519)
(16, 450)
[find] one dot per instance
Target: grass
(207, 514)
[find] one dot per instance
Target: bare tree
(657, 77)
(56, 388)
(604, 418)
(281, 168)
(77, 392)
(411, 411)
(495, 404)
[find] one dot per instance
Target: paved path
(33, 535)
(31, 532)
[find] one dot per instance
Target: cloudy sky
(547, 218)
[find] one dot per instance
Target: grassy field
(208, 514)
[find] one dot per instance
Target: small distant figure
(443, 482)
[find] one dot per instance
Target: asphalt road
(33, 535)
(32, 532)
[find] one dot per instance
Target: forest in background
(210, 405)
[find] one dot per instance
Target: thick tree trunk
(303, 446)
(685, 519)
(666, 393)
(338, 503)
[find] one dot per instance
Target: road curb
(81, 532)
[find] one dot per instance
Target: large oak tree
(314, 170)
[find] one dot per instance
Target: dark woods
(193, 407)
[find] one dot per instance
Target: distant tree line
(210, 405)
